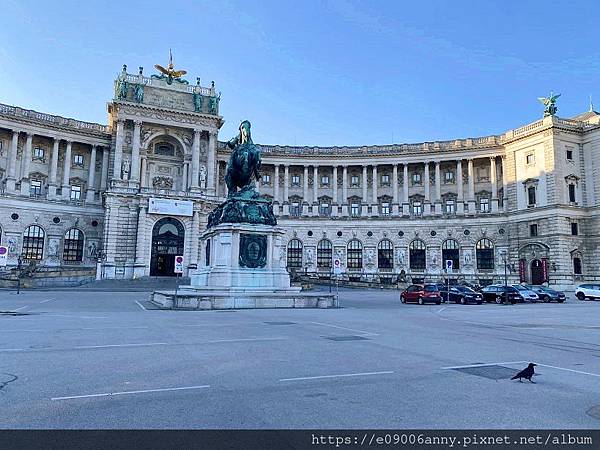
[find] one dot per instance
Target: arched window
(164, 149)
(485, 254)
(324, 253)
(385, 254)
(450, 252)
(354, 255)
(577, 266)
(294, 254)
(33, 242)
(416, 252)
(73, 245)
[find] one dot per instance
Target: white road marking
(48, 300)
(22, 307)
(13, 349)
(485, 365)
(245, 340)
(143, 344)
(440, 310)
(338, 376)
(109, 394)
(75, 317)
(345, 328)
(568, 370)
(140, 305)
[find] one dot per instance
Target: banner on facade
(3, 255)
(545, 269)
(170, 207)
(522, 270)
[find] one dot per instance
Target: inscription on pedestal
(253, 250)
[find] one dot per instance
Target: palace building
(83, 199)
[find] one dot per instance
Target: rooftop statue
(549, 103)
(244, 204)
(170, 74)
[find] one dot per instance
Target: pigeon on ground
(526, 373)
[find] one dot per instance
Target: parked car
(421, 294)
(461, 294)
(501, 294)
(547, 294)
(526, 293)
(588, 291)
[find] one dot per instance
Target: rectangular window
(574, 229)
(75, 192)
(484, 205)
(78, 160)
(295, 209)
(385, 180)
(572, 197)
(266, 179)
(530, 158)
(39, 154)
(417, 208)
(533, 230)
(355, 210)
(324, 209)
(449, 176)
(450, 207)
(531, 196)
(325, 180)
(416, 178)
(354, 181)
(296, 180)
(385, 209)
(35, 188)
(569, 155)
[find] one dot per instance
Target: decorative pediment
(76, 181)
(531, 181)
(572, 178)
(37, 176)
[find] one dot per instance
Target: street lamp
(504, 255)
(19, 269)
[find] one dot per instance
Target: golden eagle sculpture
(170, 73)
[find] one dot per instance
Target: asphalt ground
(80, 359)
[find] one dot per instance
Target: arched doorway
(537, 272)
(167, 242)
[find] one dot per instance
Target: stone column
(471, 187)
(212, 181)
(195, 241)
(26, 164)
(335, 201)
(196, 160)
(53, 169)
(405, 204)
(217, 180)
(375, 199)
(365, 199)
(66, 187)
(135, 151)
(276, 201)
(460, 206)
(344, 191)
(438, 189)
(104, 173)
(286, 190)
(504, 185)
(118, 150)
(140, 248)
(315, 208)
(11, 173)
(427, 186)
(143, 174)
(89, 195)
(395, 208)
(494, 184)
(305, 192)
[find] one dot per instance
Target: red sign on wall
(545, 269)
(522, 270)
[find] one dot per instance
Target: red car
(421, 294)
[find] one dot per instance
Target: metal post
(176, 287)
(19, 261)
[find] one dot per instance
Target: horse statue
(244, 164)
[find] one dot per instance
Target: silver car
(526, 293)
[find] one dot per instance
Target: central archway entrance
(167, 242)
(537, 272)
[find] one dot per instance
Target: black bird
(526, 373)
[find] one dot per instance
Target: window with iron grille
(294, 254)
(485, 254)
(354, 254)
(324, 253)
(416, 253)
(33, 243)
(73, 245)
(450, 252)
(385, 254)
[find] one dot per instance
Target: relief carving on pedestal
(161, 182)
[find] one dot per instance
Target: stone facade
(526, 202)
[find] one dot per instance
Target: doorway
(537, 272)
(167, 242)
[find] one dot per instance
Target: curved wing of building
(81, 199)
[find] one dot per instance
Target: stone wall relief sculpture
(401, 258)
(370, 257)
(53, 245)
(162, 182)
(309, 257)
(92, 249)
(12, 247)
(467, 258)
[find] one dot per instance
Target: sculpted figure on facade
(549, 103)
(12, 246)
(197, 102)
(203, 177)
(125, 168)
(138, 93)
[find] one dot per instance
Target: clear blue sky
(338, 72)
